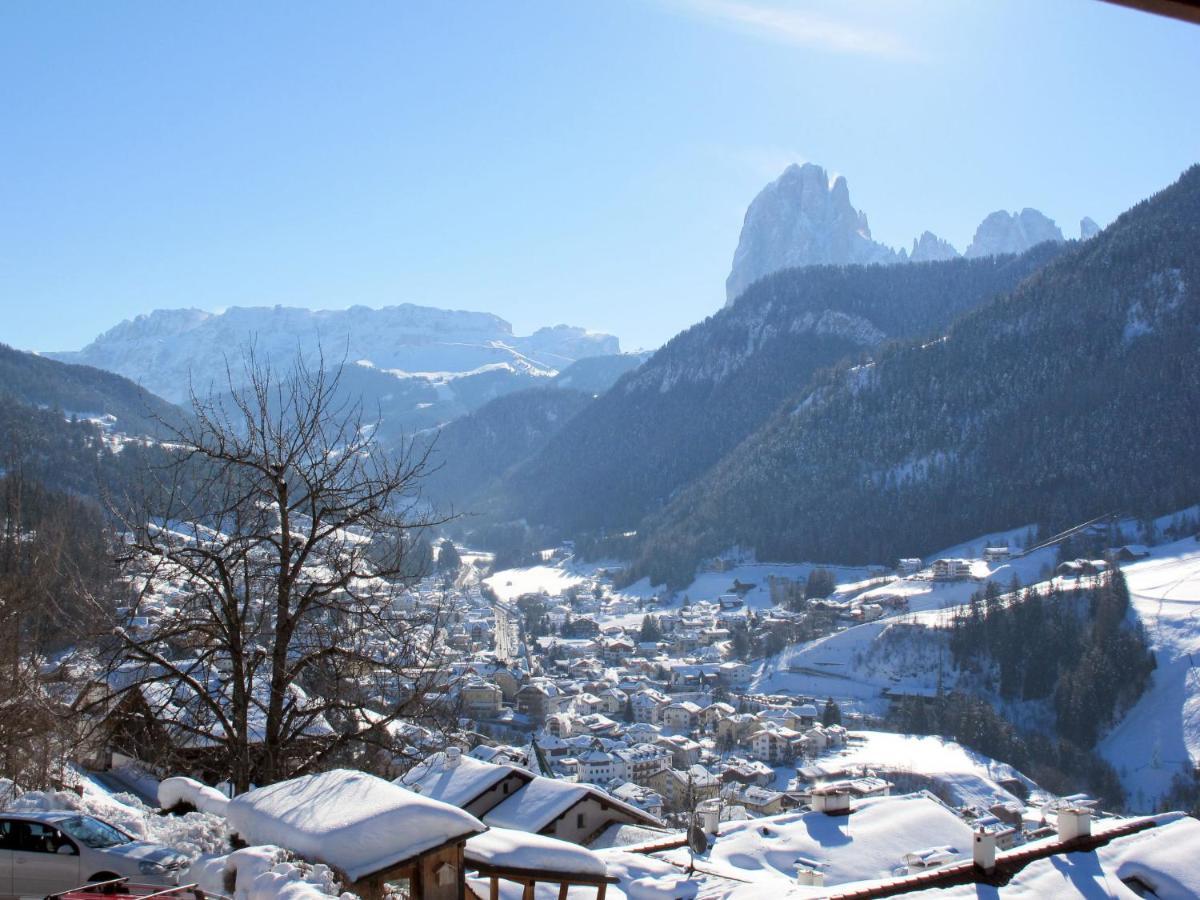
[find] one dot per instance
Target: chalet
(558, 725)
(481, 699)
(469, 784)
(684, 751)
(951, 569)
(648, 705)
(775, 745)
(996, 554)
(569, 811)
(641, 761)
(1081, 568)
(508, 683)
(539, 699)
(681, 716)
(715, 712)
(733, 729)
(734, 675)
(758, 800)
(1128, 552)
(595, 766)
(644, 798)
(612, 700)
(683, 788)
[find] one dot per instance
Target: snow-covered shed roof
(545, 799)
(456, 784)
(505, 848)
(352, 821)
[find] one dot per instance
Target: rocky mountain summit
(803, 218)
(1005, 232)
(931, 248)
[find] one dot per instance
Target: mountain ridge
(1049, 381)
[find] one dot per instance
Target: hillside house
(465, 782)
(951, 569)
(683, 716)
(481, 699)
(569, 811)
(648, 705)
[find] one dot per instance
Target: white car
(45, 853)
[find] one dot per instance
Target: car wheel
(104, 876)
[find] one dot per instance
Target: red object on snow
(122, 888)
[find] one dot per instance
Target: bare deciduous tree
(271, 630)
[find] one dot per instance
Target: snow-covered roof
(457, 784)
(352, 821)
(870, 844)
(545, 799)
(537, 804)
(505, 848)
(1160, 859)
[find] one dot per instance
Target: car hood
(142, 851)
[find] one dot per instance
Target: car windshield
(93, 832)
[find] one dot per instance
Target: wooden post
(527, 894)
(562, 890)
(601, 890)
(495, 888)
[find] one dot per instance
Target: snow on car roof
(507, 848)
(352, 821)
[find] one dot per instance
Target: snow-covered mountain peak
(802, 218)
(164, 349)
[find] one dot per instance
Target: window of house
(579, 820)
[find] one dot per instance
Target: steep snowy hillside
(1159, 738)
(166, 348)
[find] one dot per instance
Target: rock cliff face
(931, 248)
(802, 219)
(1088, 228)
(163, 349)
(1004, 232)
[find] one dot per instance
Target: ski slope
(1160, 735)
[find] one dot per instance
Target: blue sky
(581, 162)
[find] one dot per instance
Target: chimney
(810, 877)
(1074, 822)
(831, 801)
(451, 757)
(985, 850)
(710, 817)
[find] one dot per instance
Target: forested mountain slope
(1076, 395)
(694, 400)
(80, 390)
(469, 453)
